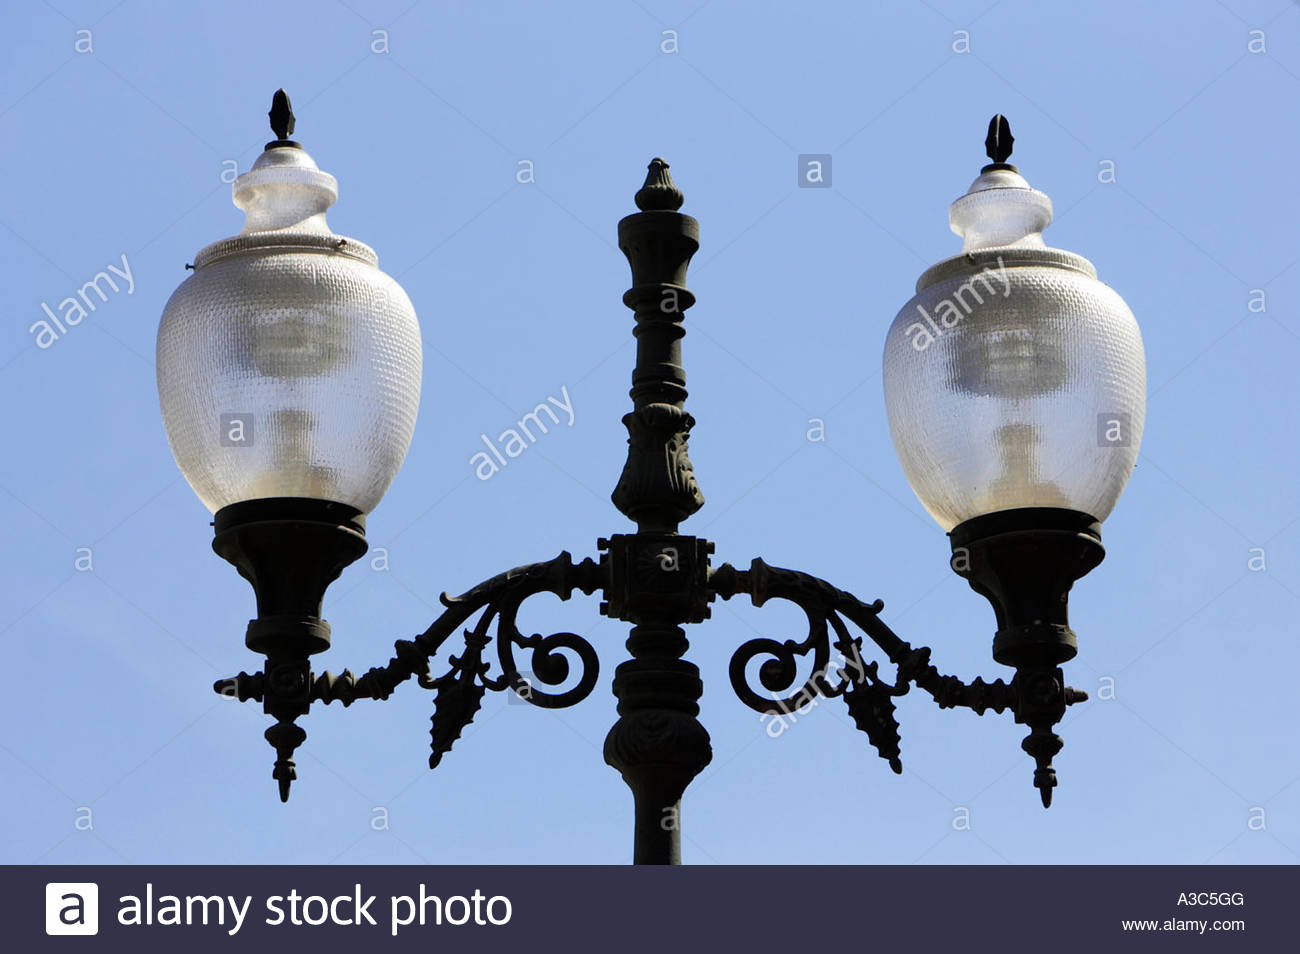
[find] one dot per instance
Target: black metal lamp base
(1024, 562)
(290, 549)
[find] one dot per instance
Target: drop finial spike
(660, 193)
(282, 120)
(1042, 744)
(284, 736)
(997, 146)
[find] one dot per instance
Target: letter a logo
(71, 907)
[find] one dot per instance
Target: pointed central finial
(998, 144)
(660, 193)
(282, 120)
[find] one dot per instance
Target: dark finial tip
(997, 145)
(284, 789)
(659, 193)
(282, 119)
(1046, 794)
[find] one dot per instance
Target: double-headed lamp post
(289, 378)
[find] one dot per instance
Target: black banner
(1065, 908)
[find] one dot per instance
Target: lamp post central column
(658, 577)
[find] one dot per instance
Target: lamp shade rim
(289, 509)
(1021, 519)
(286, 240)
(1009, 256)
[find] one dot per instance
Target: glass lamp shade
(289, 365)
(1014, 378)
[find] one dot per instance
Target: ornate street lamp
(1015, 385)
(289, 379)
(293, 335)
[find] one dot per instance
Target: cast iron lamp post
(1001, 377)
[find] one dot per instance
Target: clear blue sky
(121, 150)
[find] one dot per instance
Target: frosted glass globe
(289, 365)
(1014, 378)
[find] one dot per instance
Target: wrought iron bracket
(287, 688)
(1036, 698)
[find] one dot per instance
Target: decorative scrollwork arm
(868, 696)
(459, 691)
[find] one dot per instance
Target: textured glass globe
(288, 364)
(1014, 378)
